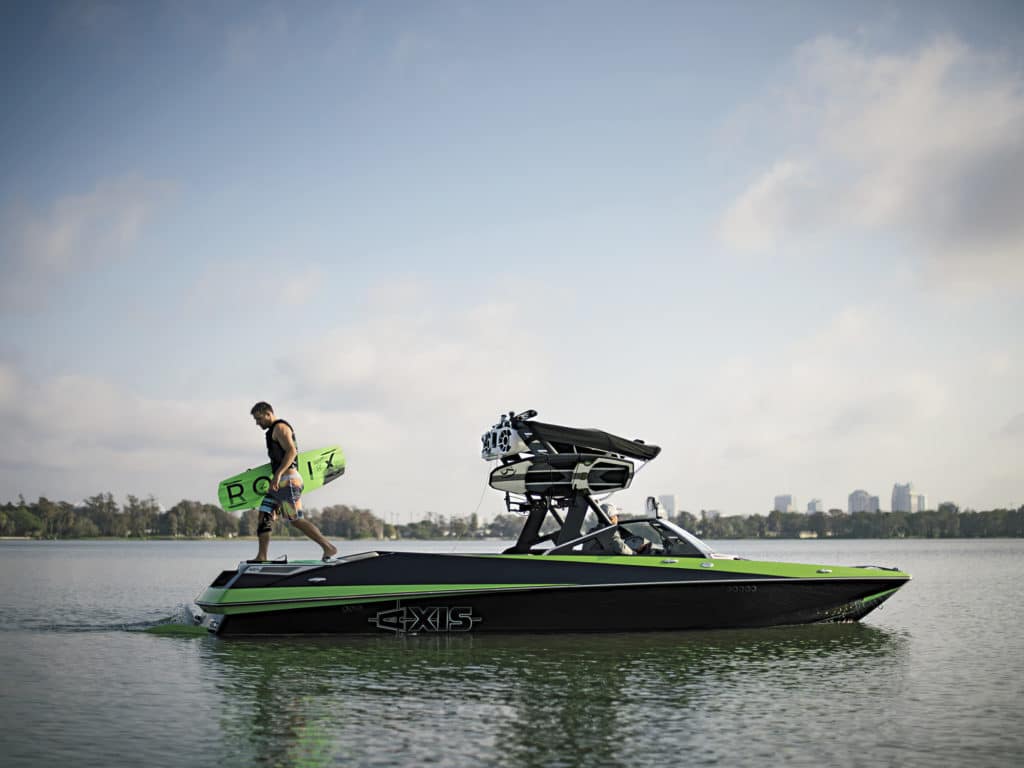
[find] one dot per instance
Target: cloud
(412, 384)
(818, 416)
(406, 390)
(767, 208)
(411, 351)
(79, 435)
(927, 147)
(77, 233)
(409, 386)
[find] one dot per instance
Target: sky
(783, 241)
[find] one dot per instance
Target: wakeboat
(574, 567)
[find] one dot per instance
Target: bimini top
(573, 440)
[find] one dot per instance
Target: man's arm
(284, 437)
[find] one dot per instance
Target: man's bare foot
(329, 551)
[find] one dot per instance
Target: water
(934, 677)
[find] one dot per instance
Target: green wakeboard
(246, 490)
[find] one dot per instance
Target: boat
(574, 567)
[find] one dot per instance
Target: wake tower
(550, 471)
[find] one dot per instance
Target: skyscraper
(785, 503)
(862, 501)
(669, 503)
(902, 500)
(815, 505)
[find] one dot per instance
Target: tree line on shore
(101, 515)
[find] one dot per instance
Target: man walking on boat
(285, 493)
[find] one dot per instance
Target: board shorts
(286, 500)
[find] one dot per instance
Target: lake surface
(934, 677)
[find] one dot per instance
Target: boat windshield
(655, 537)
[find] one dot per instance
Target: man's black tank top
(274, 449)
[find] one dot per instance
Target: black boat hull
(646, 607)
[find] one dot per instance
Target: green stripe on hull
(233, 610)
(248, 600)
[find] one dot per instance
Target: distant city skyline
(904, 499)
(858, 501)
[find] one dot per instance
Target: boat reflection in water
(541, 700)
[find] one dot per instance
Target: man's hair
(261, 407)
